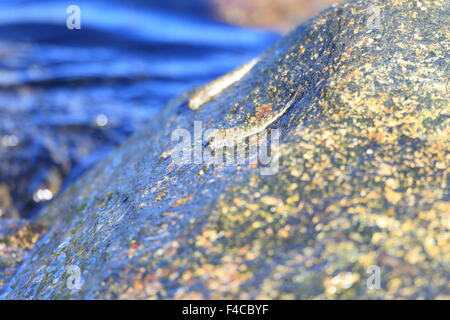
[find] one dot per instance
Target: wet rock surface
(17, 237)
(362, 181)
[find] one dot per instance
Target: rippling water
(68, 97)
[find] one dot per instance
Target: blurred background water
(68, 97)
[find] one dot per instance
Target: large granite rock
(362, 181)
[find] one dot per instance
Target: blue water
(68, 97)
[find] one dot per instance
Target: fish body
(232, 136)
(208, 92)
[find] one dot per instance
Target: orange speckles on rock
(181, 201)
(263, 110)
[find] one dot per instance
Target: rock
(280, 15)
(17, 237)
(6, 208)
(362, 183)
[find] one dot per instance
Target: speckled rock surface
(17, 237)
(363, 180)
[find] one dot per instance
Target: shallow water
(68, 97)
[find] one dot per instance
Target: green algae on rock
(363, 180)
